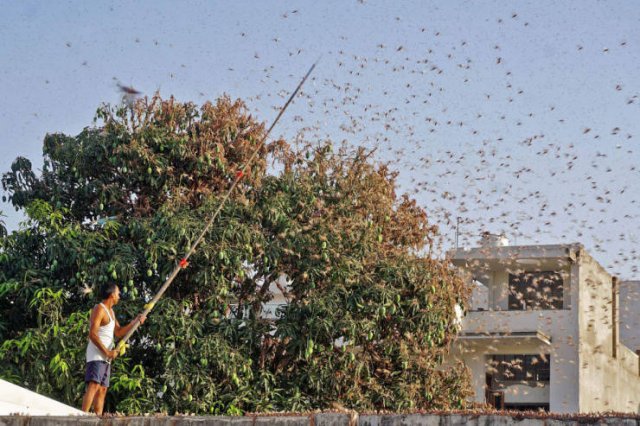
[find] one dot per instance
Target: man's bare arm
(121, 331)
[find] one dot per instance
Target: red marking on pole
(239, 174)
(184, 263)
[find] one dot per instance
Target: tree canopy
(369, 312)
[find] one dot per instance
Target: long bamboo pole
(239, 174)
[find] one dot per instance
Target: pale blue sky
(524, 87)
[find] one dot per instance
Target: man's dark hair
(107, 289)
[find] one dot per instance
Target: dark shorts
(99, 372)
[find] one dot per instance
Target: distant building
(544, 329)
(630, 314)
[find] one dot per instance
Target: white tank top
(105, 334)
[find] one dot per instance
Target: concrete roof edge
(492, 252)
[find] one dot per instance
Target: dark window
(535, 291)
(527, 407)
(520, 368)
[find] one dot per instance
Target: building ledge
(512, 335)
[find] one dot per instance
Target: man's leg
(89, 396)
(99, 400)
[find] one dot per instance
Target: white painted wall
(17, 400)
(607, 383)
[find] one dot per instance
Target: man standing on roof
(103, 326)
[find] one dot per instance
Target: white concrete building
(543, 330)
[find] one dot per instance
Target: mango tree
(369, 312)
